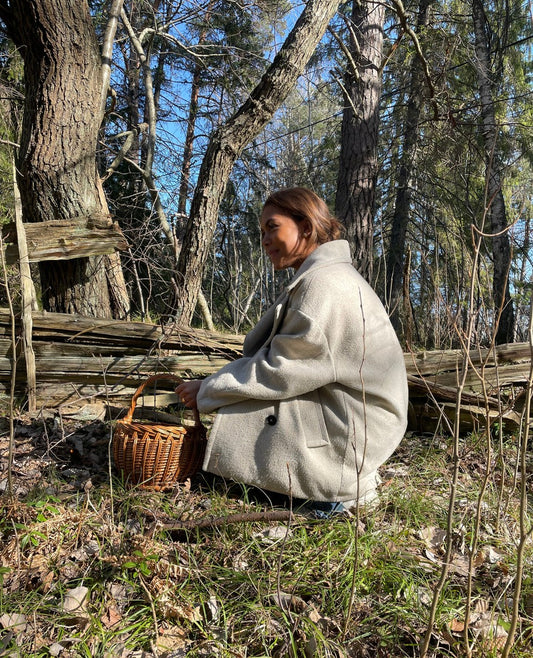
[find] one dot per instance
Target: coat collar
(336, 251)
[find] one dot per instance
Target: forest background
(173, 120)
(412, 121)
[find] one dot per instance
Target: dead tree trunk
(229, 140)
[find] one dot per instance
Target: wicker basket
(157, 456)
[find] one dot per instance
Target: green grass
(235, 591)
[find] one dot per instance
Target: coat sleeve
(297, 360)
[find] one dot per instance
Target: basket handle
(150, 380)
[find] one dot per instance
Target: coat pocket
(312, 420)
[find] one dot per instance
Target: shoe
(323, 510)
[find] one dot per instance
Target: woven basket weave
(157, 456)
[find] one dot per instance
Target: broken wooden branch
(79, 237)
(219, 521)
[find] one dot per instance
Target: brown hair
(300, 204)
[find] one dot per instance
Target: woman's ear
(307, 228)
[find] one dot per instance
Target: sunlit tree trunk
(56, 162)
(356, 181)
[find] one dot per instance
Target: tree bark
(228, 141)
(56, 163)
(397, 245)
(495, 203)
(356, 180)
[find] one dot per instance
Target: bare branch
(352, 64)
(400, 10)
(107, 50)
(217, 522)
(149, 91)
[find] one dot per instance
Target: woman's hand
(187, 392)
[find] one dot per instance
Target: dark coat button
(271, 420)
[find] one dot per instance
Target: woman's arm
(296, 361)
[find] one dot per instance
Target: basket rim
(128, 418)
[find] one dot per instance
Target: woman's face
(286, 242)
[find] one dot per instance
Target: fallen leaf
(187, 612)
(111, 617)
(424, 596)
(433, 537)
(314, 615)
(14, 622)
(457, 626)
(87, 412)
(288, 602)
(75, 599)
(56, 649)
(431, 556)
(240, 564)
(211, 609)
(395, 470)
(489, 632)
(171, 639)
(119, 592)
(460, 566)
(47, 581)
(273, 534)
(493, 556)
(479, 558)
(482, 605)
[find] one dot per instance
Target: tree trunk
(501, 249)
(56, 162)
(357, 173)
(228, 141)
(395, 294)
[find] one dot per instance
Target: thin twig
(456, 461)
(283, 544)
(402, 15)
(525, 532)
(359, 470)
(11, 451)
(152, 606)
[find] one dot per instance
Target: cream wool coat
(319, 399)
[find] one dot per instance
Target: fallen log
(494, 387)
(79, 358)
(80, 330)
